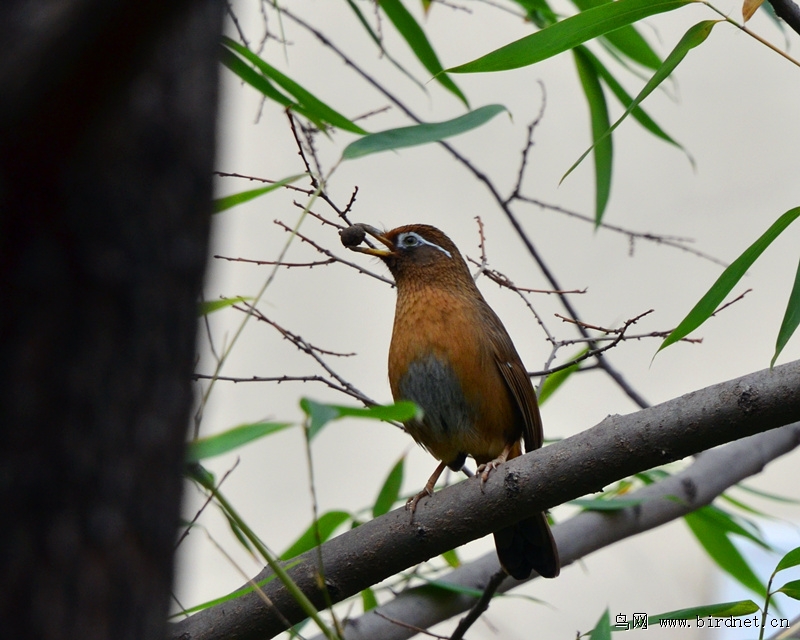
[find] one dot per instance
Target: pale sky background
(733, 104)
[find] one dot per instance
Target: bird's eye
(408, 240)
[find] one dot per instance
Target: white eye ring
(411, 239)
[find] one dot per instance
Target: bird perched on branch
(453, 357)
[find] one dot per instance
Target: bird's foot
(485, 469)
(411, 503)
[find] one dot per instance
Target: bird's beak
(380, 237)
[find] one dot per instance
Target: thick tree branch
(696, 486)
(789, 11)
(617, 447)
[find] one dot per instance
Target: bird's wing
(516, 377)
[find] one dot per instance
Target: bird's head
(412, 251)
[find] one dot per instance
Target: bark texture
(107, 113)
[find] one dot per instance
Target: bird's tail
(528, 545)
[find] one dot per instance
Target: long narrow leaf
(420, 134)
(210, 306)
(555, 380)
(413, 34)
(721, 610)
(377, 41)
(568, 34)
(226, 202)
(695, 36)
(627, 40)
(791, 559)
(791, 318)
(321, 414)
(309, 101)
(262, 84)
(714, 540)
(639, 114)
(317, 532)
(390, 490)
(791, 589)
(603, 148)
(722, 287)
(251, 77)
(602, 630)
(231, 439)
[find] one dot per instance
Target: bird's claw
(485, 469)
(411, 503)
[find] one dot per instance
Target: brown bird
(453, 357)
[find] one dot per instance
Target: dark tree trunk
(107, 114)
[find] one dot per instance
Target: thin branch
(310, 350)
(675, 242)
(225, 174)
(516, 192)
(332, 255)
(412, 628)
(481, 606)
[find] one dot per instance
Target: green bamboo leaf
(639, 114)
(555, 380)
(200, 475)
(767, 495)
(308, 100)
(791, 589)
(791, 318)
(602, 630)
(721, 610)
(378, 42)
(368, 599)
(231, 439)
(744, 506)
(226, 598)
(326, 524)
(420, 134)
(538, 12)
(390, 490)
(568, 34)
(261, 84)
(454, 588)
(210, 306)
(597, 504)
(603, 147)
(726, 522)
(413, 34)
(627, 40)
(695, 36)
(238, 533)
(251, 77)
(703, 310)
(791, 559)
(714, 540)
(452, 559)
(321, 414)
(226, 202)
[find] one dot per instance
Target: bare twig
(675, 242)
(224, 174)
(330, 254)
(480, 606)
(310, 350)
(318, 263)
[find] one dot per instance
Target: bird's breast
(440, 358)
